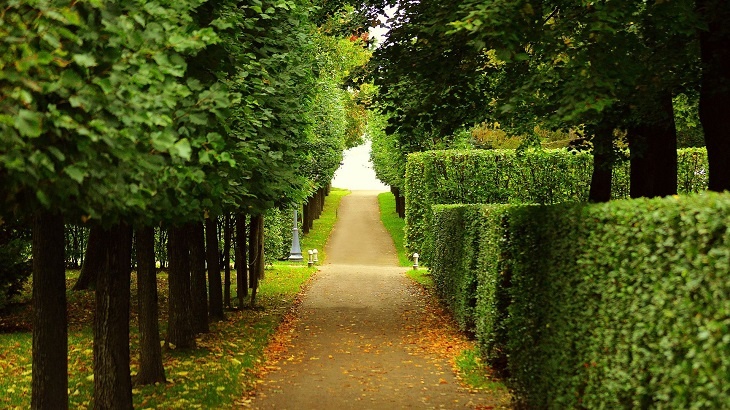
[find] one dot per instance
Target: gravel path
(352, 346)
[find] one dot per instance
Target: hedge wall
(508, 176)
(618, 305)
(454, 265)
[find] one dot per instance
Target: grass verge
(466, 359)
(226, 363)
(395, 226)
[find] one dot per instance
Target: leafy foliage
(15, 264)
(98, 113)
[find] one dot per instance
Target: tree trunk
(256, 255)
(305, 217)
(50, 332)
(180, 316)
(654, 155)
(151, 369)
(600, 190)
(399, 202)
(227, 232)
(215, 288)
(161, 249)
(112, 380)
(715, 90)
(94, 261)
(241, 265)
(199, 290)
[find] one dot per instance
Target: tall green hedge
(617, 305)
(509, 177)
(454, 265)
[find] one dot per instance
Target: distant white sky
(381, 32)
(356, 172)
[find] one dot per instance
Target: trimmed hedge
(618, 305)
(511, 177)
(454, 266)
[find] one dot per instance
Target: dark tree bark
(305, 217)
(256, 255)
(227, 233)
(654, 155)
(600, 190)
(198, 289)
(50, 331)
(112, 380)
(241, 265)
(715, 89)
(94, 260)
(180, 317)
(151, 369)
(215, 287)
(399, 202)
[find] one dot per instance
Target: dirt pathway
(352, 346)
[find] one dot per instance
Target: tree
(198, 287)
(215, 287)
(112, 380)
(50, 332)
(715, 88)
(180, 332)
(150, 356)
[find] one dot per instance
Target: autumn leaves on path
(356, 342)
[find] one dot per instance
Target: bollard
(415, 261)
(310, 261)
(315, 256)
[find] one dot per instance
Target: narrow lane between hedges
(357, 341)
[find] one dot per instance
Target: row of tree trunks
(313, 207)
(400, 202)
(188, 301)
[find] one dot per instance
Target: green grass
(215, 375)
(395, 226)
(321, 228)
(474, 373)
(421, 276)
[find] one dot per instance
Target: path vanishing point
(352, 343)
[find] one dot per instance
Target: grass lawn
(226, 363)
(395, 226)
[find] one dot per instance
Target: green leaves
(29, 123)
